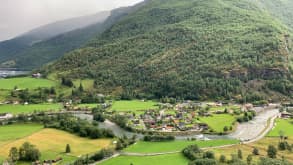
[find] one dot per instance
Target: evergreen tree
(68, 149)
(239, 154)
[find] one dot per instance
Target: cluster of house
(181, 117)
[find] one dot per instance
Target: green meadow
(282, 125)
(14, 132)
(169, 159)
(18, 109)
(178, 145)
(218, 122)
(134, 105)
(25, 82)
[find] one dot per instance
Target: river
(118, 131)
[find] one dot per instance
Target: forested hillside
(196, 49)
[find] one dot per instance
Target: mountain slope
(10, 48)
(194, 49)
(50, 50)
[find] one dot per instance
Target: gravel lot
(253, 129)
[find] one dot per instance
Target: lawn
(283, 125)
(25, 82)
(218, 122)
(134, 105)
(170, 159)
(155, 147)
(52, 144)
(14, 132)
(18, 109)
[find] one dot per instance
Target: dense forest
(219, 49)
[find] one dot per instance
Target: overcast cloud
(19, 16)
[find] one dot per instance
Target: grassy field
(262, 146)
(170, 159)
(218, 122)
(14, 132)
(87, 105)
(25, 82)
(52, 144)
(134, 105)
(87, 84)
(18, 109)
(283, 125)
(222, 108)
(155, 147)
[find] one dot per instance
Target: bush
(28, 152)
(255, 151)
(272, 151)
(203, 162)
(158, 138)
(222, 159)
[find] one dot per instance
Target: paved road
(257, 128)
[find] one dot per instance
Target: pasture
(19, 109)
(169, 159)
(282, 125)
(25, 83)
(134, 105)
(14, 132)
(178, 145)
(218, 122)
(261, 145)
(222, 108)
(52, 142)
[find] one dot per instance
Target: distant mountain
(193, 49)
(10, 48)
(53, 48)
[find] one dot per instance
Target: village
(190, 116)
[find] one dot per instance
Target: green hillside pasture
(282, 125)
(18, 109)
(155, 147)
(170, 159)
(218, 122)
(134, 105)
(25, 82)
(87, 84)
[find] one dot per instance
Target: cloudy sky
(19, 16)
